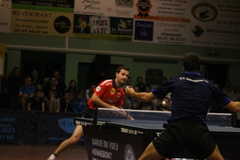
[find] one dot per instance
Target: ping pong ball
(163, 102)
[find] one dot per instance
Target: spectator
(90, 90)
(60, 84)
(14, 81)
(72, 88)
(37, 102)
(53, 103)
(52, 85)
(66, 102)
(79, 103)
(140, 83)
(35, 78)
(135, 102)
(26, 91)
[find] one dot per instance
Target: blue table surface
(155, 125)
(158, 125)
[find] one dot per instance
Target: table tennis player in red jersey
(108, 94)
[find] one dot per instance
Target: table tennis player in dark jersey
(108, 94)
(191, 95)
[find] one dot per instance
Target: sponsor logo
(112, 91)
(66, 124)
(129, 153)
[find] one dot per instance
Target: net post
(95, 116)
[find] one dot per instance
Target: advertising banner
(52, 127)
(5, 18)
(195, 23)
(41, 22)
(15, 127)
(107, 8)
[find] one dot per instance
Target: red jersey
(108, 93)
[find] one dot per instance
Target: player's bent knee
(216, 155)
(75, 139)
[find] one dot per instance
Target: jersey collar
(192, 72)
(114, 84)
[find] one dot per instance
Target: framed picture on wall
(154, 76)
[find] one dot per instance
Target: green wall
(138, 56)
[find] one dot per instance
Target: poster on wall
(5, 7)
(64, 6)
(108, 8)
(100, 27)
(42, 17)
(196, 23)
(215, 23)
(108, 19)
(41, 22)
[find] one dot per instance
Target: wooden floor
(40, 152)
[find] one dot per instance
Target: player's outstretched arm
(233, 106)
(142, 96)
(98, 102)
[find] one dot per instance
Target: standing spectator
(26, 91)
(79, 103)
(37, 102)
(72, 88)
(35, 78)
(14, 81)
(59, 82)
(52, 85)
(66, 102)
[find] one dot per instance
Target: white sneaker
(52, 157)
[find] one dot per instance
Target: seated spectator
(37, 102)
(53, 103)
(26, 91)
(79, 103)
(66, 102)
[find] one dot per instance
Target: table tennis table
(124, 134)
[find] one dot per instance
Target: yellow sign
(41, 23)
(2, 58)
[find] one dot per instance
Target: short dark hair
(122, 67)
(192, 62)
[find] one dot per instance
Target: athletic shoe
(52, 157)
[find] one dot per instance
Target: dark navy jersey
(191, 95)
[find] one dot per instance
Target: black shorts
(180, 135)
